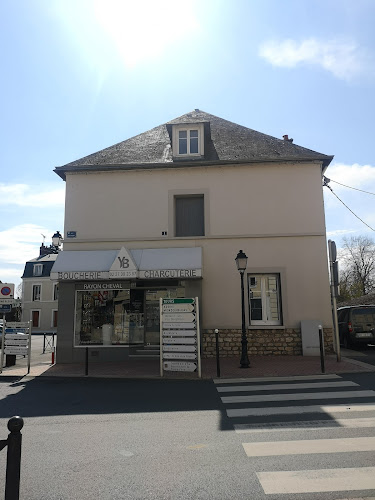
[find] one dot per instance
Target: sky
(82, 75)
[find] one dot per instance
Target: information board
(16, 344)
(180, 336)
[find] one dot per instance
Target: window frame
(38, 267)
(54, 312)
(263, 276)
(176, 139)
(55, 292)
(40, 292)
(31, 317)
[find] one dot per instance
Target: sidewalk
(260, 366)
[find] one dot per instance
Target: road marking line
(298, 396)
(273, 379)
(291, 410)
(281, 387)
(309, 446)
(311, 425)
(317, 481)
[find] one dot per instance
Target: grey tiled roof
(225, 142)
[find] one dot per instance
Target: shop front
(100, 309)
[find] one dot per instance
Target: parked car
(356, 324)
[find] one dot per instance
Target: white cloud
(357, 176)
(21, 243)
(32, 196)
(345, 59)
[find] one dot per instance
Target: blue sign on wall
(5, 308)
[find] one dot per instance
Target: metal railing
(14, 443)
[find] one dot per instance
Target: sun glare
(143, 29)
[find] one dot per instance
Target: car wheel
(347, 342)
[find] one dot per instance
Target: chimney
(286, 138)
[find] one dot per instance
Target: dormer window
(38, 270)
(188, 140)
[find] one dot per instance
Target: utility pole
(334, 272)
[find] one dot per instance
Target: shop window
(35, 316)
(264, 299)
(189, 215)
(36, 292)
(38, 270)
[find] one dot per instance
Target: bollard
(12, 481)
(87, 362)
(53, 357)
(217, 352)
(321, 344)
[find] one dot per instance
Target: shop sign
(170, 273)
(123, 266)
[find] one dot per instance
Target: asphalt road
(114, 439)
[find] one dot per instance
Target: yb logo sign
(124, 262)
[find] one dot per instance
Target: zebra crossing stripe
(311, 425)
(309, 446)
(282, 387)
(293, 410)
(273, 379)
(317, 481)
(297, 396)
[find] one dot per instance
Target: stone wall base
(260, 342)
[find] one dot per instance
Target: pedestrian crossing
(265, 411)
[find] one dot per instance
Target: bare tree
(357, 276)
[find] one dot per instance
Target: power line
(325, 183)
(350, 187)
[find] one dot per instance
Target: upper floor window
(36, 292)
(38, 270)
(188, 140)
(189, 215)
(264, 299)
(56, 291)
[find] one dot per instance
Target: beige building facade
(176, 204)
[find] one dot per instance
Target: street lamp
(56, 240)
(241, 262)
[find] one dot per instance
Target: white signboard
(16, 344)
(179, 355)
(178, 308)
(179, 348)
(179, 317)
(179, 340)
(179, 335)
(179, 366)
(179, 325)
(6, 301)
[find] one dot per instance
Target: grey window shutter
(189, 216)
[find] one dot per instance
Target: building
(164, 214)
(39, 293)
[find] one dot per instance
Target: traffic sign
(179, 348)
(178, 301)
(179, 333)
(7, 290)
(179, 340)
(17, 350)
(6, 301)
(178, 308)
(179, 366)
(177, 355)
(183, 317)
(18, 324)
(18, 341)
(179, 325)
(5, 308)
